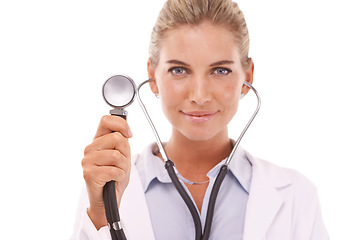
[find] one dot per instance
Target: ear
(249, 74)
(151, 75)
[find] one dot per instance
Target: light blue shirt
(170, 216)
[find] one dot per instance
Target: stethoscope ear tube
(237, 143)
(142, 105)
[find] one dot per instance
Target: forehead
(205, 40)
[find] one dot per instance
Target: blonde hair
(221, 12)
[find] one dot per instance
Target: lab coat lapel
(134, 210)
(264, 200)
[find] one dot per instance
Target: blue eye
(222, 71)
(177, 71)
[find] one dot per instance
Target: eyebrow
(223, 62)
(177, 62)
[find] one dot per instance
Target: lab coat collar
(265, 200)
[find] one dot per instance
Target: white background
(55, 56)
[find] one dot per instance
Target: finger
(107, 158)
(114, 140)
(109, 123)
(98, 176)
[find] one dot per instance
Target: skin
(199, 78)
(106, 158)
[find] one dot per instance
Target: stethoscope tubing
(109, 192)
(112, 212)
(237, 143)
(111, 207)
(212, 200)
(142, 105)
(169, 166)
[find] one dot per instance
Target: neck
(194, 159)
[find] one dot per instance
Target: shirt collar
(151, 167)
(241, 167)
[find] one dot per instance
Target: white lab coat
(282, 205)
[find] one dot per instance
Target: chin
(200, 135)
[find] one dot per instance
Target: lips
(199, 116)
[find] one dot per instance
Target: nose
(200, 90)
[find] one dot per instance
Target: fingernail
(130, 133)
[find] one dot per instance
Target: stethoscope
(119, 91)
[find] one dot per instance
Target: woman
(199, 63)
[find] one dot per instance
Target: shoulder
(148, 152)
(295, 189)
(281, 176)
(291, 190)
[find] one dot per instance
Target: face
(199, 78)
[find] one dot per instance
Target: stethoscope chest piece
(119, 91)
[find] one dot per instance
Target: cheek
(171, 91)
(229, 98)
(231, 92)
(171, 97)
(167, 93)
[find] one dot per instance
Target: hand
(107, 158)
